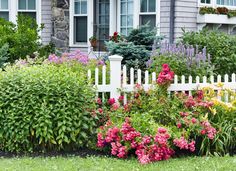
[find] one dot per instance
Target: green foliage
(22, 39)
(133, 55)
(144, 35)
(3, 54)
(221, 46)
(45, 107)
(46, 50)
(219, 10)
(177, 63)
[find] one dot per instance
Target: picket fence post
(115, 75)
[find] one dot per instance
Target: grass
(112, 164)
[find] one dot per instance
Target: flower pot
(93, 43)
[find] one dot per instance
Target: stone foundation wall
(60, 24)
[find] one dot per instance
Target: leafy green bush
(4, 54)
(45, 107)
(221, 46)
(23, 39)
(133, 55)
(178, 64)
(184, 60)
(144, 35)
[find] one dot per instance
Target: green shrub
(4, 54)
(178, 64)
(133, 55)
(144, 35)
(221, 46)
(45, 107)
(22, 38)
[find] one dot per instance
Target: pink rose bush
(152, 126)
(166, 76)
(126, 139)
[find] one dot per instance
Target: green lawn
(103, 164)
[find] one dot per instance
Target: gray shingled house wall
(185, 16)
(47, 21)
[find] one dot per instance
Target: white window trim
(114, 19)
(89, 15)
(13, 11)
(136, 15)
(157, 13)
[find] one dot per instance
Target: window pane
(102, 9)
(130, 20)
(123, 7)
(77, 7)
(4, 15)
(123, 20)
(143, 6)
(150, 19)
(4, 4)
(83, 6)
(152, 6)
(31, 4)
(130, 8)
(81, 29)
(123, 31)
(30, 14)
(22, 4)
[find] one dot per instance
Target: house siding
(185, 16)
(165, 18)
(46, 19)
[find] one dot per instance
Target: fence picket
(176, 79)
(154, 77)
(197, 79)
(146, 78)
(226, 80)
(104, 75)
(89, 75)
(132, 76)
(139, 77)
(190, 81)
(124, 75)
(218, 91)
(177, 86)
(96, 78)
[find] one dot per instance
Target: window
(226, 2)
(80, 21)
(206, 1)
(148, 12)
(27, 7)
(126, 16)
(4, 12)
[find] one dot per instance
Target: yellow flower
(220, 84)
(213, 111)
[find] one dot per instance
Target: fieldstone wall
(60, 24)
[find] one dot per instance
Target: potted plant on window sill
(93, 41)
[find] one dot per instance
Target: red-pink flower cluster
(159, 150)
(118, 150)
(208, 129)
(147, 148)
(166, 75)
(197, 102)
(111, 101)
(183, 144)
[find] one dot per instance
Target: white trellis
(119, 80)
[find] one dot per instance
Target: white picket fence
(119, 81)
